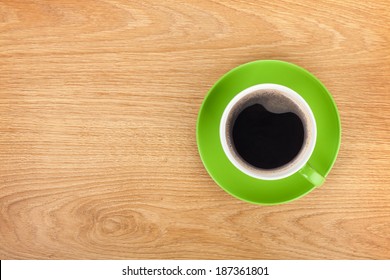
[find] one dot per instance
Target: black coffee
(267, 140)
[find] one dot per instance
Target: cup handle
(312, 175)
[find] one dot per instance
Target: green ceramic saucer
(224, 173)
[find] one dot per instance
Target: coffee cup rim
(303, 156)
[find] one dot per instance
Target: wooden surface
(98, 105)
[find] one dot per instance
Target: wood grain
(98, 105)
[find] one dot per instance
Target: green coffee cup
(280, 87)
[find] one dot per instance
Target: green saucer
(224, 173)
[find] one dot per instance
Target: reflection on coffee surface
(267, 140)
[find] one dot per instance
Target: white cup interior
(295, 164)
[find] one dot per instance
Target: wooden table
(98, 106)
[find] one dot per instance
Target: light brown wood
(98, 106)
